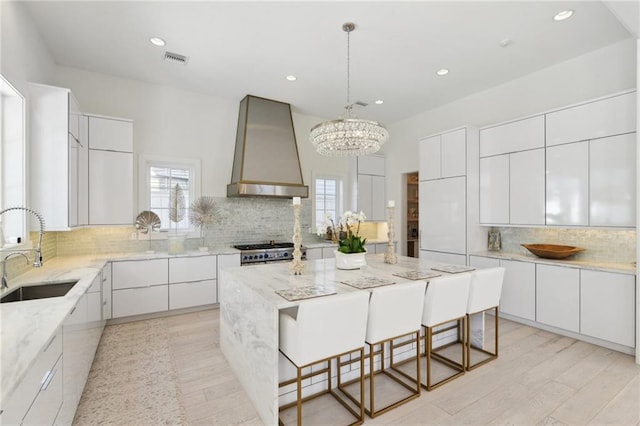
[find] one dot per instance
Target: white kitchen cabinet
(527, 187)
(494, 189)
(519, 289)
(482, 262)
(192, 281)
(443, 155)
(314, 253)
(595, 119)
(449, 258)
(139, 287)
(110, 188)
(607, 302)
(55, 156)
(38, 396)
(567, 199)
(612, 181)
(520, 135)
(558, 297)
(106, 291)
(443, 215)
(370, 187)
(110, 134)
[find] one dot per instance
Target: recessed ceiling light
(505, 42)
(379, 102)
(291, 77)
(157, 41)
(561, 16)
(442, 71)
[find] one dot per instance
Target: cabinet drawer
(136, 301)
(110, 134)
(139, 273)
(186, 269)
(44, 409)
(186, 295)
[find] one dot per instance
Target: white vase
(350, 260)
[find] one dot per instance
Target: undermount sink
(552, 251)
(39, 291)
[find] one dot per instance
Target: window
(327, 199)
(161, 178)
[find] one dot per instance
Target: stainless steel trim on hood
(266, 161)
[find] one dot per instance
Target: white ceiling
(238, 48)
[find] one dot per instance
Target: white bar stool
(323, 329)
(445, 301)
(395, 311)
(484, 295)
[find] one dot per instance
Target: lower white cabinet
(558, 297)
(192, 281)
(106, 291)
(451, 258)
(519, 289)
(608, 306)
(38, 397)
(197, 293)
(137, 301)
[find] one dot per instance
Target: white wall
(604, 71)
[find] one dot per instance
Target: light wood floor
(539, 378)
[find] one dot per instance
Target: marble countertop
(622, 268)
(328, 243)
(26, 327)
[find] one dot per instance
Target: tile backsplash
(602, 245)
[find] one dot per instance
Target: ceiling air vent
(360, 103)
(176, 58)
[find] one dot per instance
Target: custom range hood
(266, 162)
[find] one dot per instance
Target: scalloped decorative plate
(147, 221)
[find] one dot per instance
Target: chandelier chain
(348, 68)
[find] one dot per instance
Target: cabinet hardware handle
(50, 374)
(50, 342)
(72, 311)
(104, 303)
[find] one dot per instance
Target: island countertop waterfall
(249, 307)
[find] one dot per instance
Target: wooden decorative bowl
(552, 251)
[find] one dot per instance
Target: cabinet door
(597, 119)
(453, 146)
(430, 158)
(558, 297)
(526, 187)
(518, 135)
(83, 173)
(494, 189)
(136, 301)
(106, 291)
(608, 306)
(443, 215)
(448, 258)
(44, 409)
(567, 201)
(139, 273)
(519, 289)
(110, 188)
(612, 181)
(186, 269)
(365, 201)
(371, 165)
(110, 134)
(378, 199)
(186, 295)
(74, 175)
(483, 262)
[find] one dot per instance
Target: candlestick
(390, 256)
(297, 266)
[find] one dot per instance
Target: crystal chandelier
(348, 135)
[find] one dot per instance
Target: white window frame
(147, 161)
(339, 195)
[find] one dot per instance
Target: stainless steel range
(266, 252)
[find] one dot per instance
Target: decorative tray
(453, 269)
(300, 293)
(367, 282)
(552, 251)
(417, 275)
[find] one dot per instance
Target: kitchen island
(249, 309)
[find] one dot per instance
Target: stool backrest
(395, 310)
(329, 325)
(485, 289)
(446, 299)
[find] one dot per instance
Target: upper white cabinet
(110, 171)
(443, 214)
(567, 201)
(494, 189)
(526, 187)
(600, 118)
(56, 154)
(443, 155)
(515, 136)
(612, 181)
(370, 190)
